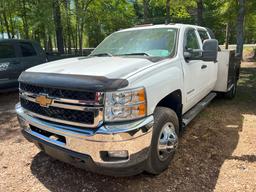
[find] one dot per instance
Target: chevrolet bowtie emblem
(44, 101)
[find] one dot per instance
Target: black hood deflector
(73, 82)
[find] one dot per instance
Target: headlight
(125, 105)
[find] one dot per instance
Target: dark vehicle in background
(15, 57)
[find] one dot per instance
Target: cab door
(196, 71)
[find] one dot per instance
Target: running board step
(192, 113)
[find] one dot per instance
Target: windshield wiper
(102, 54)
(144, 54)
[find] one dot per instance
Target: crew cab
(15, 57)
(120, 110)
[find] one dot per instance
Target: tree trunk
(50, 44)
(227, 36)
(24, 19)
(77, 25)
(200, 8)
(69, 40)
(45, 39)
(37, 35)
(68, 23)
(73, 42)
(65, 45)
(11, 20)
(240, 28)
(81, 39)
(58, 26)
(146, 11)
(12, 25)
(254, 54)
(168, 5)
(2, 27)
(55, 43)
(81, 8)
(6, 25)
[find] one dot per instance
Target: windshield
(146, 42)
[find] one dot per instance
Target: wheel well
(173, 101)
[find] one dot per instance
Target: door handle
(203, 66)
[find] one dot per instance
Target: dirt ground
(217, 152)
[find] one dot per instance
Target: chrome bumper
(133, 137)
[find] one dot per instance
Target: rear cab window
(27, 49)
(7, 51)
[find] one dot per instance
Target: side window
(203, 35)
(192, 43)
(7, 51)
(27, 49)
(191, 40)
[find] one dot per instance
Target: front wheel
(164, 140)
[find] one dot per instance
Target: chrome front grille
(59, 93)
(76, 108)
(86, 117)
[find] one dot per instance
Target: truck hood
(110, 67)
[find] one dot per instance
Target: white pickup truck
(120, 110)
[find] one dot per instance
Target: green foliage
(179, 11)
(88, 22)
(105, 17)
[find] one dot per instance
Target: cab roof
(172, 25)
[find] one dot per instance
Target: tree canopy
(74, 24)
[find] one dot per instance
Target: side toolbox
(228, 70)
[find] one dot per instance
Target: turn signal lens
(141, 95)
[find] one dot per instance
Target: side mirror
(210, 50)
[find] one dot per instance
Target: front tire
(164, 140)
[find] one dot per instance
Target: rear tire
(164, 140)
(232, 93)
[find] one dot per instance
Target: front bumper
(135, 138)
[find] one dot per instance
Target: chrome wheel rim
(234, 90)
(167, 142)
